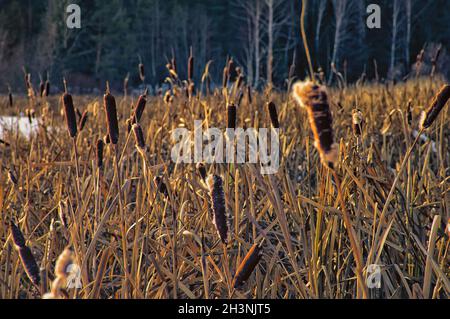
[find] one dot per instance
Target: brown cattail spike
(30, 265)
(141, 72)
(83, 120)
(17, 235)
(314, 98)
(215, 184)
(247, 266)
(106, 139)
(429, 116)
(357, 122)
(231, 112)
(99, 149)
(273, 114)
(202, 170)
(140, 106)
(109, 103)
(139, 136)
(10, 97)
(69, 112)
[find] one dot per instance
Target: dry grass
(155, 237)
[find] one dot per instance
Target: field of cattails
(93, 198)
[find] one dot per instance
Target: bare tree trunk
(322, 6)
(394, 39)
(256, 23)
(408, 32)
(270, 31)
(339, 7)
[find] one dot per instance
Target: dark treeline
(262, 36)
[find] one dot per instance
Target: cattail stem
(123, 225)
(77, 169)
(226, 266)
(351, 235)
(305, 41)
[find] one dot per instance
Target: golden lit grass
(172, 246)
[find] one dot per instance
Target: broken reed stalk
(439, 101)
(141, 72)
(83, 120)
(217, 196)
(139, 108)
(10, 97)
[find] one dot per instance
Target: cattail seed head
(12, 178)
(109, 103)
(314, 98)
(141, 72)
(429, 116)
(139, 136)
(231, 112)
(357, 121)
(17, 235)
(69, 112)
(240, 97)
(202, 170)
(140, 106)
(99, 153)
(106, 139)
(273, 114)
(215, 184)
(29, 264)
(247, 265)
(83, 120)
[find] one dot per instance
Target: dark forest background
(262, 36)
